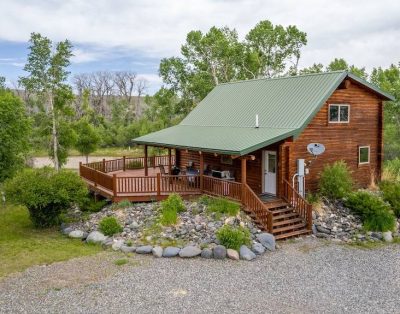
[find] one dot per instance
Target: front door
(270, 168)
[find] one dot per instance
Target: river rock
(95, 237)
(116, 246)
(232, 254)
(387, 236)
(76, 234)
(171, 251)
(190, 251)
(157, 251)
(323, 230)
(258, 248)
(219, 252)
(267, 240)
(246, 253)
(127, 249)
(145, 249)
(206, 253)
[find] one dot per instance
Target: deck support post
(146, 170)
(201, 171)
(123, 163)
(104, 165)
(115, 185)
(169, 161)
(80, 170)
(158, 185)
(244, 175)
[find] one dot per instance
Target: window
(363, 155)
(339, 113)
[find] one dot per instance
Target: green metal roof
(225, 120)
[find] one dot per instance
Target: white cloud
(363, 32)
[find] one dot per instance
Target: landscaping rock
(157, 251)
(322, 235)
(116, 246)
(190, 251)
(145, 249)
(219, 252)
(95, 237)
(258, 248)
(387, 236)
(67, 230)
(76, 234)
(267, 240)
(323, 230)
(232, 254)
(171, 251)
(246, 253)
(128, 249)
(206, 253)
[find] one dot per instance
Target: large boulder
(206, 253)
(145, 249)
(76, 234)
(219, 252)
(232, 254)
(157, 251)
(95, 237)
(190, 251)
(267, 240)
(246, 253)
(171, 251)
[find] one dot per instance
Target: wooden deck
(284, 216)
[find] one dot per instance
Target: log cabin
(264, 143)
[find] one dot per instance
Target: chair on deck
(162, 170)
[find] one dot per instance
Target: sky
(136, 34)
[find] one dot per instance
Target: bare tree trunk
(54, 135)
(87, 159)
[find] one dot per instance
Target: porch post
(201, 171)
(244, 175)
(146, 171)
(169, 161)
(123, 163)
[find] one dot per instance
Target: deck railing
(255, 205)
(221, 187)
(300, 205)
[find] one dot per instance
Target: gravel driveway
(308, 276)
(72, 162)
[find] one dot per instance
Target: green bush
(391, 194)
(374, 212)
(392, 169)
(93, 206)
(335, 181)
(233, 237)
(312, 198)
(223, 206)
(170, 209)
(46, 193)
(122, 204)
(110, 226)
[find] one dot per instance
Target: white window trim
(339, 105)
(369, 154)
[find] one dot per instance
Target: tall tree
(88, 138)
(341, 64)
(2, 82)
(46, 65)
(14, 134)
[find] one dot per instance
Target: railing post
(244, 174)
(201, 172)
(104, 165)
(95, 177)
(80, 168)
(270, 222)
(123, 163)
(158, 184)
(115, 184)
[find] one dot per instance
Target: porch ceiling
(223, 140)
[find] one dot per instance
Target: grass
(220, 206)
(121, 261)
(22, 246)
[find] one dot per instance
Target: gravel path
(72, 162)
(304, 277)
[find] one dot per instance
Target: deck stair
(287, 223)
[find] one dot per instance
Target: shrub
(391, 194)
(392, 169)
(335, 181)
(46, 193)
(233, 237)
(374, 212)
(122, 204)
(93, 206)
(223, 206)
(312, 198)
(170, 209)
(110, 226)
(204, 199)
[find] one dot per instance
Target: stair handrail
(298, 202)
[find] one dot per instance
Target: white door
(270, 168)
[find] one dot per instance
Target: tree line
(110, 108)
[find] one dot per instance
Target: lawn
(22, 246)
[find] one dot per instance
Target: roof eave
(371, 87)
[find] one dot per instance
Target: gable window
(363, 155)
(339, 113)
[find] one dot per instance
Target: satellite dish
(315, 148)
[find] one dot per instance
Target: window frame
(339, 105)
(359, 154)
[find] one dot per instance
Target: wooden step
(284, 216)
(291, 227)
(287, 222)
(279, 204)
(281, 211)
(292, 234)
